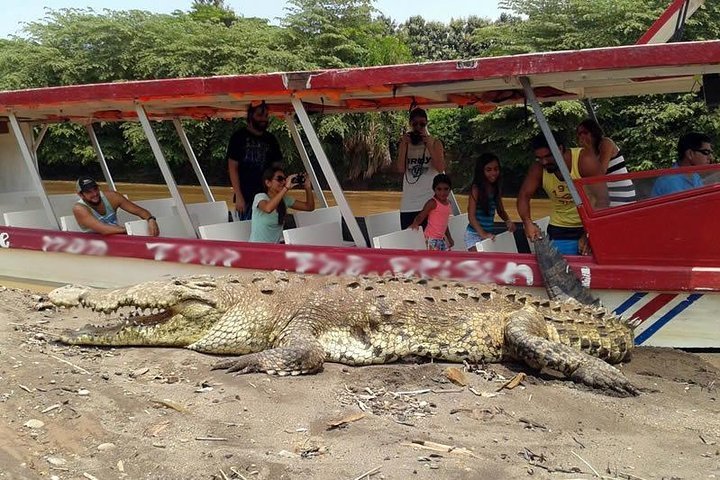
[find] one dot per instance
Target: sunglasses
(280, 178)
(704, 151)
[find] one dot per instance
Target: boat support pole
(36, 143)
(327, 170)
(290, 121)
(34, 174)
(100, 156)
(590, 110)
(542, 121)
(193, 160)
(165, 169)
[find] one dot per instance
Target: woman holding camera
(269, 208)
(420, 157)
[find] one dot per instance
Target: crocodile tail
(560, 282)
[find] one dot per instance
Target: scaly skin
(290, 324)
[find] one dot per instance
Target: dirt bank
(84, 413)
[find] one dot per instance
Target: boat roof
(483, 83)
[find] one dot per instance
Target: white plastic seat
(406, 239)
(29, 219)
(69, 224)
(542, 224)
(158, 207)
(207, 213)
(170, 226)
(382, 223)
(63, 203)
(328, 234)
(18, 206)
(504, 242)
(320, 215)
(231, 231)
(457, 226)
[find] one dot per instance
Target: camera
(416, 138)
(299, 179)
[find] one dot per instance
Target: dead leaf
(345, 420)
(456, 376)
(139, 372)
(513, 382)
(156, 429)
(170, 404)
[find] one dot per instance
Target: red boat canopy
(483, 83)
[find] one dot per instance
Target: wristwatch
(151, 217)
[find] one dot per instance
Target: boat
(649, 261)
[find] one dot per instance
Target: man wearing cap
(96, 211)
(251, 150)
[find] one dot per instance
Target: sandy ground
(85, 413)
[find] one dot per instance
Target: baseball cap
(84, 184)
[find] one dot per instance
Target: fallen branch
(211, 439)
(368, 474)
(595, 472)
(71, 364)
(439, 447)
(411, 392)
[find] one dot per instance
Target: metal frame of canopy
(484, 82)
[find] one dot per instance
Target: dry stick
(238, 474)
(212, 439)
(71, 364)
(456, 390)
(368, 473)
(595, 472)
(412, 392)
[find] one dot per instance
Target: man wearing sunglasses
(694, 149)
(420, 157)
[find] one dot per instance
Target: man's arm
(399, 165)
(235, 153)
(527, 190)
(119, 201)
(86, 219)
(233, 168)
(437, 155)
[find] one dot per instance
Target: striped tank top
(621, 192)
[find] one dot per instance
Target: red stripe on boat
(654, 305)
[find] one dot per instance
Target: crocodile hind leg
(526, 338)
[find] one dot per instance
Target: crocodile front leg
(296, 351)
(527, 339)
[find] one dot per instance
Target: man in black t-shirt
(251, 150)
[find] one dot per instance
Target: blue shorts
(566, 247)
(436, 244)
(471, 238)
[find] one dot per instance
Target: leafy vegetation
(71, 46)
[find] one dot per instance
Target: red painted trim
(654, 305)
(513, 269)
(660, 22)
(120, 96)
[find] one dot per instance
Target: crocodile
(289, 324)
